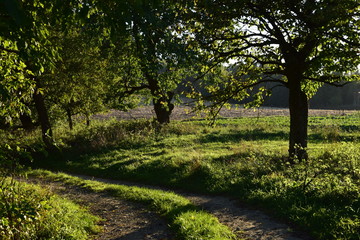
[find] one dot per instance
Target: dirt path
(122, 220)
(245, 222)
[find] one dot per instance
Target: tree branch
(9, 50)
(257, 59)
(131, 90)
(327, 80)
(223, 37)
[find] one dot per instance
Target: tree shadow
(248, 135)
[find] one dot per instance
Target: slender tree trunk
(44, 121)
(87, 120)
(26, 122)
(69, 117)
(298, 106)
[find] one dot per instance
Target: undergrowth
(30, 212)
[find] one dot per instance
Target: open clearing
(126, 220)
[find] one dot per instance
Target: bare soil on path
(121, 220)
(247, 223)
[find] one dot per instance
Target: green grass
(188, 221)
(240, 157)
(29, 212)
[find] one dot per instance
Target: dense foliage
(151, 47)
(298, 44)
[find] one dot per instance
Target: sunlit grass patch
(29, 212)
(188, 221)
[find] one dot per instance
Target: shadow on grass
(321, 138)
(248, 135)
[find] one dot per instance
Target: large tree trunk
(44, 121)
(298, 106)
(162, 101)
(163, 111)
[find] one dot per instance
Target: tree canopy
(152, 46)
(146, 33)
(299, 44)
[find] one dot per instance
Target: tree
(300, 44)
(24, 30)
(159, 55)
(15, 89)
(80, 81)
(25, 43)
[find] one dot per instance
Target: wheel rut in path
(247, 223)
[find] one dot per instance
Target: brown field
(183, 113)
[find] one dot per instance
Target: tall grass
(30, 212)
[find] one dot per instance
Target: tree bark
(163, 111)
(298, 106)
(44, 121)
(87, 120)
(69, 117)
(26, 122)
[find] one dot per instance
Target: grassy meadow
(244, 158)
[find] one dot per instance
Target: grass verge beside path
(189, 222)
(29, 212)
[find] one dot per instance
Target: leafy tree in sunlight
(157, 61)
(80, 81)
(299, 44)
(28, 51)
